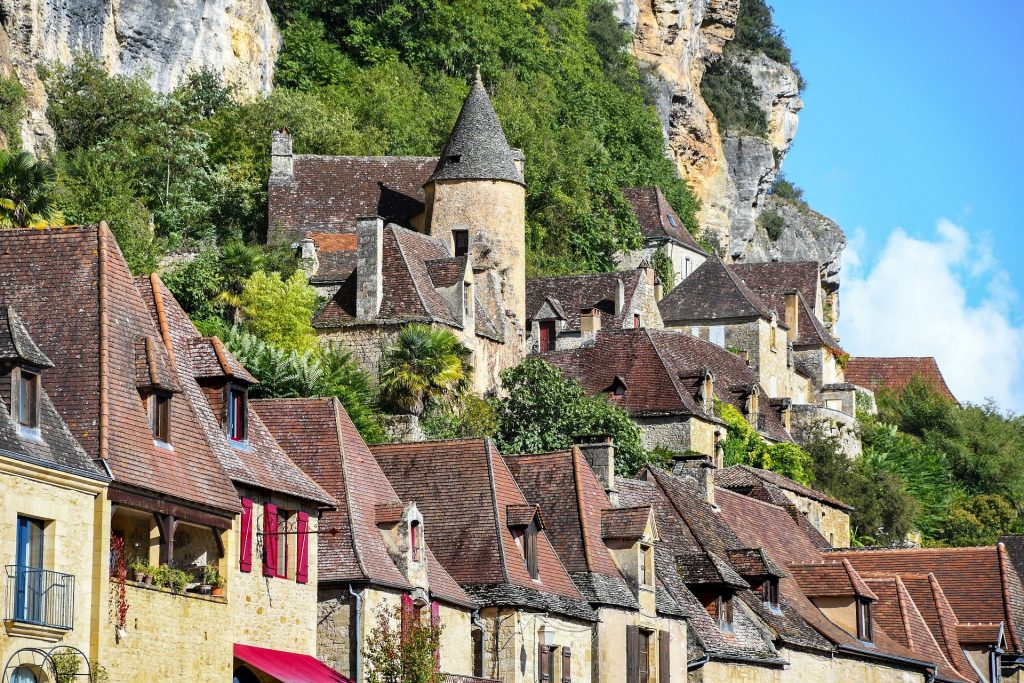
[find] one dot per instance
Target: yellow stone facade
(509, 633)
(804, 667)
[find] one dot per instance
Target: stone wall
(74, 537)
(510, 644)
(831, 522)
(610, 644)
(809, 421)
(679, 433)
(684, 261)
(803, 667)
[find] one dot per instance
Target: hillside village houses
(129, 448)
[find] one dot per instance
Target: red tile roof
(474, 541)
(73, 288)
(830, 578)
(895, 373)
(318, 434)
(742, 478)
(657, 218)
(625, 523)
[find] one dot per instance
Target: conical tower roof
(477, 148)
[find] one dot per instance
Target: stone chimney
(659, 290)
(648, 272)
(519, 158)
(369, 266)
(308, 260)
(793, 315)
(590, 323)
(620, 295)
(599, 450)
(700, 469)
(281, 155)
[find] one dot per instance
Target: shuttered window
(632, 654)
(644, 657)
(547, 336)
(664, 657)
(566, 665)
(545, 664)
(270, 540)
(302, 548)
(245, 561)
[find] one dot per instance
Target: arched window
(415, 540)
(24, 674)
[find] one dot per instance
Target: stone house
(640, 633)
(894, 374)
(51, 529)
(829, 516)
(668, 382)
(662, 229)
(392, 240)
(533, 623)
(376, 551)
(715, 304)
(567, 312)
(132, 379)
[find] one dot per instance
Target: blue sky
(911, 138)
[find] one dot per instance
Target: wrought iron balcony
(40, 596)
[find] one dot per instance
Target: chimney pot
(599, 450)
(698, 467)
(369, 266)
(281, 155)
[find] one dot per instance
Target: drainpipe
(698, 663)
(359, 634)
(474, 619)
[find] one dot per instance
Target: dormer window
(159, 409)
(770, 593)
(415, 541)
(752, 407)
(238, 414)
(618, 387)
(636, 321)
(646, 565)
(460, 242)
(530, 550)
(864, 620)
(724, 608)
(467, 301)
(27, 403)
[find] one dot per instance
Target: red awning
(288, 667)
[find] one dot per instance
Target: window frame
(460, 249)
(552, 336)
(770, 592)
(530, 550)
(231, 417)
(725, 612)
(283, 516)
(18, 398)
(646, 565)
(864, 627)
(415, 536)
(643, 659)
(636, 321)
(158, 412)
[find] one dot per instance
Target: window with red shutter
(547, 336)
(302, 548)
(408, 615)
(245, 544)
(269, 540)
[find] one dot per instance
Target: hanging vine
(118, 577)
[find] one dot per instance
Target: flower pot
(217, 592)
(147, 579)
(204, 590)
(139, 577)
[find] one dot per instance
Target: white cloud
(913, 302)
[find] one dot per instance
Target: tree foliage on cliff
(744, 446)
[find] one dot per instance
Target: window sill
(26, 629)
(243, 446)
(220, 599)
(30, 434)
(163, 444)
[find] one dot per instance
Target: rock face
(730, 173)
(164, 40)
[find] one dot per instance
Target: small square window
(460, 239)
(28, 399)
(771, 592)
(159, 406)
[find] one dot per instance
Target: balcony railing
(40, 596)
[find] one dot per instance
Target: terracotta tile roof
(712, 294)
(260, 463)
(574, 506)
(327, 194)
(447, 271)
(938, 614)
(53, 278)
(475, 543)
(16, 343)
(743, 478)
(318, 434)
(522, 516)
(210, 359)
(663, 371)
(979, 582)
(895, 373)
(151, 368)
(657, 218)
(830, 579)
(625, 523)
(979, 634)
(570, 294)
(328, 242)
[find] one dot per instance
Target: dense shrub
(773, 224)
(744, 446)
(730, 93)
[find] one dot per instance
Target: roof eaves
(494, 504)
(336, 406)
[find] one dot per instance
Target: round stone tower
(476, 200)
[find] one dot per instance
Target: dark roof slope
(895, 373)
(469, 521)
(571, 294)
(16, 343)
(476, 148)
(326, 194)
(712, 293)
(742, 478)
(261, 464)
(319, 435)
(572, 501)
(803, 276)
(657, 218)
(60, 280)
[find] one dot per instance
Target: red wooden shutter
(269, 540)
(302, 549)
(245, 542)
(435, 623)
(632, 654)
(542, 664)
(566, 665)
(407, 614)
(664, 662)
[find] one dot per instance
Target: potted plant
(139, 569)
(207, 579)
(218, 587)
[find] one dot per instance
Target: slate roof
(1014, 544)
(570, 294)
(326, 194)
(151, 368)
(319, 435)
(574, 505)
(811, 333)
(55, 280)
(410, 262)
(742, 478)
(624, 523)
(475, 543)
(663, 371)
(980, 583)
(894, 373)
(260, 463)
(712, 294)
(803, 276)
(658, 220)
(16, 343)
(476, 148)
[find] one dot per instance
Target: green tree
(280, 311)
(979, 520)
(664, 269)
(28, 197)
(425, 366)
(401, 650)
(470, 417)
(744, 446)
(544, 411)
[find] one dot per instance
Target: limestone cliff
(731, 173)
(164, 40)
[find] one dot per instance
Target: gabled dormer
(225, 383)
(402, 528)
(631, 534)
(157, 386)
(761, 572)
(713, 582)
(706, 391)
(525, 523)
(21, 366)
